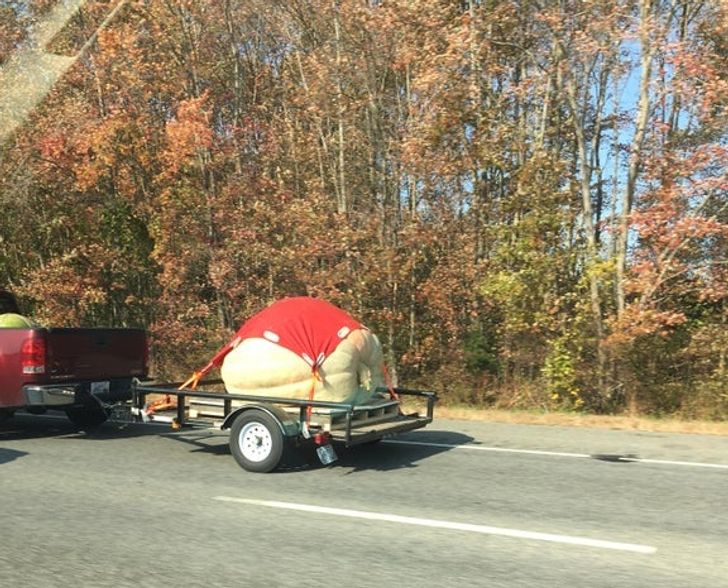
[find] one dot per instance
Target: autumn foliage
(527, 202)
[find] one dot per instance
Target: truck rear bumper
(50, 395)
(70, 393)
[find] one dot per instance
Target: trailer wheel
(256, 441)
(87, 417)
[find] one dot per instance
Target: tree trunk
(643, 113)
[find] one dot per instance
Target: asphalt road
(458, 504)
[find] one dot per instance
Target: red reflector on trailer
(321, 438)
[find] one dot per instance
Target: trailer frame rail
(352, 433)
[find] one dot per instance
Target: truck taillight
(33, 356)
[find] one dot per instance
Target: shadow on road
(8, 455)
(202, 441)
(384, 456)
(27, 426)
(31, 427)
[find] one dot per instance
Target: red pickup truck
(78, 371)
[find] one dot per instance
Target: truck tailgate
(88, 354)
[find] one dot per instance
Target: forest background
(527, 200)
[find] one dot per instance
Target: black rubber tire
(5, 414)
(256, 441)
(88, 417)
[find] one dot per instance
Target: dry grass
(630, 423)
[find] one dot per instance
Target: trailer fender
(289, 426)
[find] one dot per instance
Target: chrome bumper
(60, 395)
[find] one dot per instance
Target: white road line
(695, 464)
(485, 448)
(438, 524)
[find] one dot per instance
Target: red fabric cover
(309, 327)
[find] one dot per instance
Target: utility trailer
(265, 430)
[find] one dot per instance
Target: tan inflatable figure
(302, 348)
